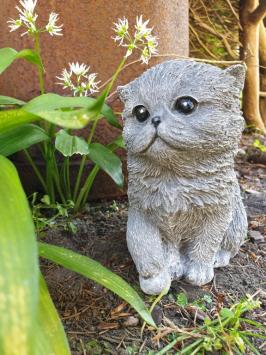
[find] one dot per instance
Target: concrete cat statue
(182, 126)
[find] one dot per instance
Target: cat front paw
(198, 274)
(222, 258)
(154, 285)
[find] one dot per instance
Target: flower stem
(58, 183)
(40, 68)
(66, 176)
(80, 172)
(118, 70)
(82, 197)
(36, 170)
(79, 198)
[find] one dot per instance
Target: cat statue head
(183, 106)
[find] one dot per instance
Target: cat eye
(186, 104)
(141, 113)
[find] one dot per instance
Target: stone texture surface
(87, 38)
(186, 214)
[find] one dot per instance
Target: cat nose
(156, 120)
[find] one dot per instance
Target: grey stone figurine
(182, 126)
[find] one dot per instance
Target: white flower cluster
(142, 40)
(78, 80)
(27, 19)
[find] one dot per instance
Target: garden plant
(30, 317)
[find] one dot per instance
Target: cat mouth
(155, 138)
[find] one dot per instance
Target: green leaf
(18, 265)
(117, 143)
(8, 55)
(22, 137)
(257, 144)
(51, 102)
(250, 345)
(226, 313)
(6, 100)
(207, 298)
(13, 118)
(50, 337)
(76, 119)
(31, 56)
(181, 299)
(47, 106)
(108, 161)
(252, 322)
(69, 145)
(100, 106)
(98, 273)
(110, 116)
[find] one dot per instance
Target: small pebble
(131, 321)
(241, 152)
(157, 314)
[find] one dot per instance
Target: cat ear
(123, 92)
(238, 72)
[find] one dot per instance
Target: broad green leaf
(110, 116)
(50, 102)
(21, 137)
(117, 143)
(18, 265)
(108, 161)
(100, 106)
(69, 145)
(98, 273)
(181, 299)
(50, 337)
(6, 100)
(31, 56)
(32, 112)
(226, 313)
(257, 144)
(68, 119)
(47, 106)
(113, 146)
(14, 118)
(8, 55)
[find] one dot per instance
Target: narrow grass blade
(98, 273)
(253, 322)
(172, 344)
(255, 335)
(250, 345)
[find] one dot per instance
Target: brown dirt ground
(96, 320)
